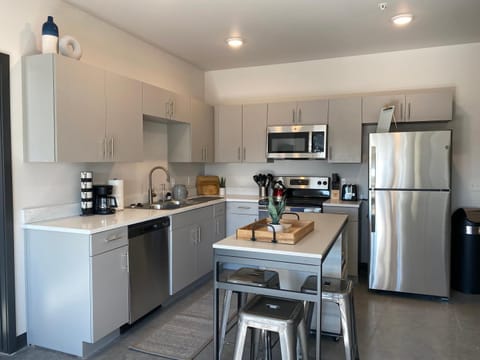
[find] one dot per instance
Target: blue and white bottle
(49, 37)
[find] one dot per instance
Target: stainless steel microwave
(297, 142)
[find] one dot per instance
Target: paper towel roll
(118, 192)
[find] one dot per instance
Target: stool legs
(226, 309)
(240, 342)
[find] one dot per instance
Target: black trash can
(465, 249)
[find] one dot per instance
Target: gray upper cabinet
(75, 112)
(165, 104)
(298, 113)
(202, 129)
(228, 133)
(429, 106)
(345, 130)
(417, 106)
(124, 129)
(192, 141)
(373, 104)
(240, 133)
(254, 129)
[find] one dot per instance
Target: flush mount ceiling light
(402, 19)
(235, 42)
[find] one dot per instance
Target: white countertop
(315, 244)
(353, 204)
(98, 223)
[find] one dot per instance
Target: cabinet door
(206, 239)
(202, 129)
(430, 106)
(373, 104)
(124, 118)
(312, 112)
(109, 291)
(345, 130)
(283, 113)
(183, 257)
(179, 107)
(80, 111)
(254, 133)
(228, 133)
(156, 101)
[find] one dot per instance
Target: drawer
(108, 240)
(249, 208)
(219, 210)
(351, 212)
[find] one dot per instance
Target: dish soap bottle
(49, 37)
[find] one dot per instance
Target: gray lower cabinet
(240, 213)
(77, 289)
(352, 233)
(192, 235)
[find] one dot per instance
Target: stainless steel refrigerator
(409, 212)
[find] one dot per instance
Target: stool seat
(340, 292)
(245, 276)
(284, 316)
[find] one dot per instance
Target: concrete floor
(389, 327)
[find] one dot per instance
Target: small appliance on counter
(349, 192)
(118, 192)
(104, 203)
(335, 186)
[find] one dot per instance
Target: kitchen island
(309, 256)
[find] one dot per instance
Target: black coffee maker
(103, 201)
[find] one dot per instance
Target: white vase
(277, 227)
(221, 191)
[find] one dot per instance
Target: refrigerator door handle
(373, 165)
(372, 211)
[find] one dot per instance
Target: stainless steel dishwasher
(148, 266)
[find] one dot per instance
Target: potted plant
(276, 210)
(223, 182)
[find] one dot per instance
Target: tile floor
(389, 327)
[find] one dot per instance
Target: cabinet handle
(238, 156)
(199, 235)
(124, 261)
(112, 147)
(401, 112)
(113, 238)
(243, 207)
(299, 120)
(244, 153)
(293, 116)
(167, 107)
(172, 108)
(104, 148)
(409, 108)
(329, 153)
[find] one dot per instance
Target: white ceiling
(280, 31)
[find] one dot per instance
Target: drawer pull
(114, 238)
(244, 207)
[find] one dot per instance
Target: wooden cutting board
(296, 232)
(208, 185)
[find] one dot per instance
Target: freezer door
(410, 160)
(410, 242)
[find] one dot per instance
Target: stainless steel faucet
(151, 194)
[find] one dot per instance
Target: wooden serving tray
(292, 235)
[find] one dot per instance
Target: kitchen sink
(175, 204)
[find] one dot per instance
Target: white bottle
(49, 37)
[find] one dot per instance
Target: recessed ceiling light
(235, 42)
(402, 19)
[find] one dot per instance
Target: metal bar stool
(284, 316)
(339, 292)
(245, 276)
